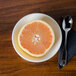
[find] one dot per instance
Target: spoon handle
(64, 52)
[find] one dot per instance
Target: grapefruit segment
(36, 38)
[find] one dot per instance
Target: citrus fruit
(36, 38)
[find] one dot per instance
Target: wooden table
(11, 64)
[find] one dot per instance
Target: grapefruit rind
(53, 40)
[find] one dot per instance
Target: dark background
(11, 64)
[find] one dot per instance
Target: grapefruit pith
(36, 38)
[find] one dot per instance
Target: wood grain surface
(11, 64)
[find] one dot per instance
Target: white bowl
(31, 17)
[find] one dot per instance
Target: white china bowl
(31, 17)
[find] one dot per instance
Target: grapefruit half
(36, 38)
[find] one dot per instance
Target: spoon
(66, 25)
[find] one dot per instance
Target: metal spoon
(66, 25)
